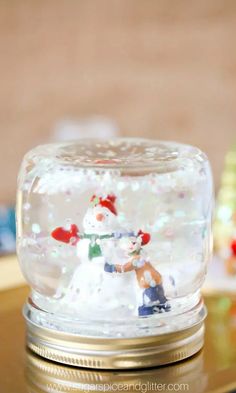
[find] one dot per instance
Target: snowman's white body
(92, 291)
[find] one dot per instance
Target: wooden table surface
(212, 370)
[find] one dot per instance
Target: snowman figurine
(99, 223)
(97, 246)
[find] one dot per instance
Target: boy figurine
(149, 279)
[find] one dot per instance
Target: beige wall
(165, 69)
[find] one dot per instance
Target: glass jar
(114, 238)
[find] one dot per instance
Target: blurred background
(155, 68)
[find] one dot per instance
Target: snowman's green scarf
(94, 248)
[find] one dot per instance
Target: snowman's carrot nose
(99, 217)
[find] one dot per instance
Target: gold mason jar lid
(44, 376)
(114, 353)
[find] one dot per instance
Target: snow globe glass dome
(114, 237)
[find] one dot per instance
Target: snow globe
(113, 238)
